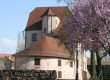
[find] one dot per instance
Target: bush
(93, 78)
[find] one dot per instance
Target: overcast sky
(13, 19)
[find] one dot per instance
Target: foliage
(2, 64)
(7, 63)
(27, 75)
(93, 78)
(89, 25)
(20, 42)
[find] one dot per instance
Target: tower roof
(36, 15)
(46, 47)
(48, 12)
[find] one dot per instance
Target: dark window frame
(59, 62)
(34, 36)
(37, 61)
(59, 74)
(45, 30)
(71, 63)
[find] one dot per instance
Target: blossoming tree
(90, 26)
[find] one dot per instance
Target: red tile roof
(102, 62)
(48, 12)
(46, 47)
(36, 15)
(4, 55)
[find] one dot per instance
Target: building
(45, 52)
(6, 61)
(3, 55)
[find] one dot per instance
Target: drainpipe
(77, 65)
(51, 25)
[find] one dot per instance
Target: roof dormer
(48, 12)
(50, 21)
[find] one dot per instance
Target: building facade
(45, 52)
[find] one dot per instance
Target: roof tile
(36, 15)
(46, 47)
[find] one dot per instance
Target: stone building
(45, 52)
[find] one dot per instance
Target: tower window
(36, 61)
(59, 74)
(71, 63)
(59, 62)
(34, 37)
(45, 30)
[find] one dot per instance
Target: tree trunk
(93, 63)
(99, 67)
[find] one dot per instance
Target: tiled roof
(46, 47)
(4, 55)
(36, 15)
(48, 12)
(36, 26)
(102, 62)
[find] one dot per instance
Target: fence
(105, 71)
(27, 75)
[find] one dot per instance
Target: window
(71, 63)
(59, 74)
(59, 62)
(45, 30)
(34, 37)
(37, 61)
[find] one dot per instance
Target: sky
(13, 19)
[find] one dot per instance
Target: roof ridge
(48, 12)
(50, 6)
(47, 7)
(35, 15)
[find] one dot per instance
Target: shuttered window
(71, 63)
(37, 61)
(59, 74)
(59, 62)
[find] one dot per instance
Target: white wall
(52, 64)
(28, 37)
(50, 22)
(82, 61)
(47, 64)
(46, 23)
(53, 22)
